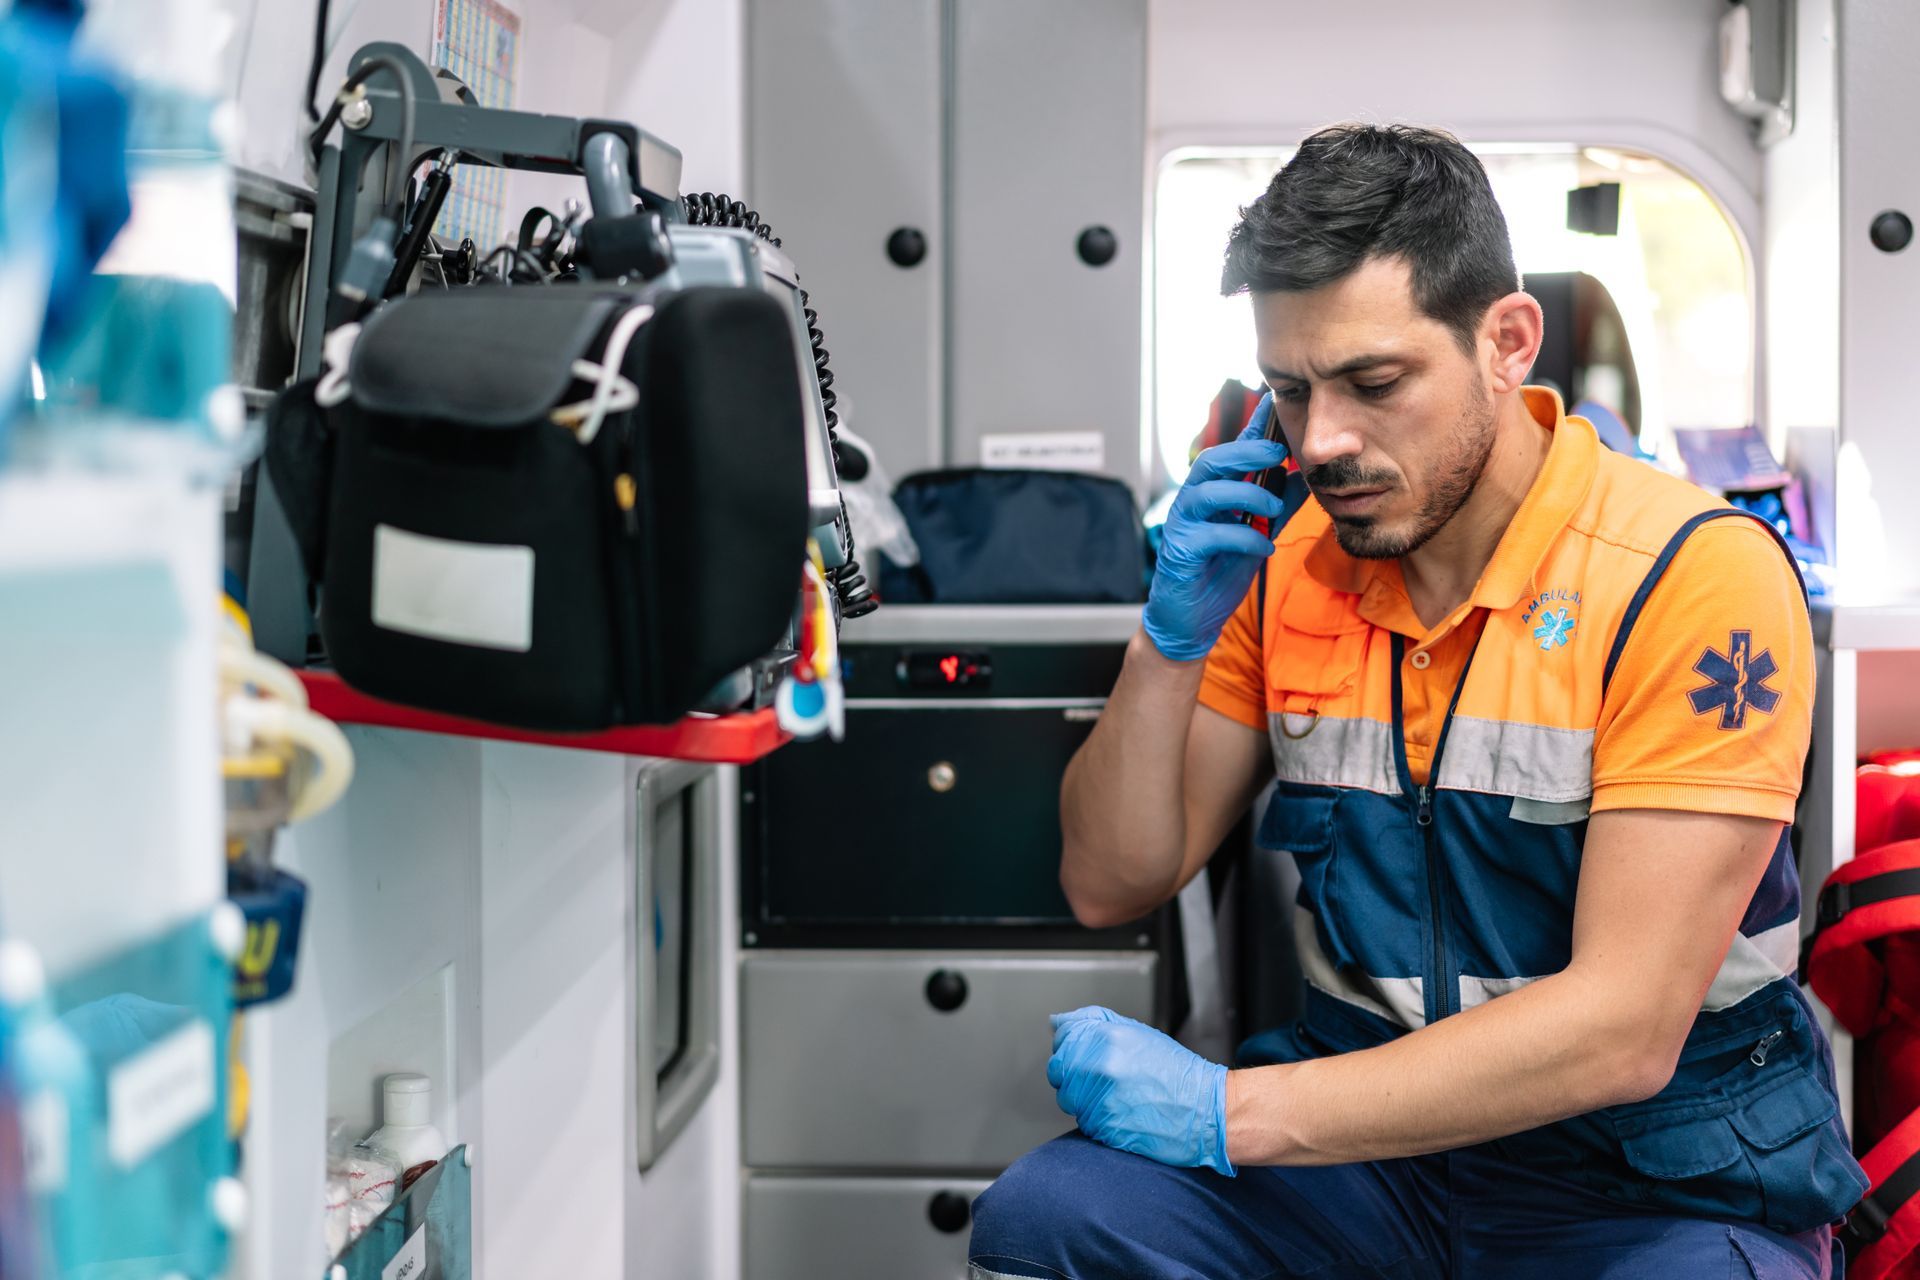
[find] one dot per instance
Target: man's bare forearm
(1561, 1047)
(1122, 805)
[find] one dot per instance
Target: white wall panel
(1491, 70)
(1802, 251)
(1879, 301)
(675, 68)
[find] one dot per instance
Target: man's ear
(1513, 329)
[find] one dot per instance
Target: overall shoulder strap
(1659, 569)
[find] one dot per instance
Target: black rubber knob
(849, 463)
(1097, 245)
(949, 1212)
(946, 990)
(906, 247)
(1892, 231)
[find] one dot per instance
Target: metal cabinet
(1009, 137)
(905, 937)
(896, 1228)
(913, 1059)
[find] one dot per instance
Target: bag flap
(483, 357)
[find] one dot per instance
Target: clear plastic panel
(139, 1187)
(426, 1235)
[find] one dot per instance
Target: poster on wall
(478, 41)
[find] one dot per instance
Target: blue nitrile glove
(1207, 556)
(1135, 1089)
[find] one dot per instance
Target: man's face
(1389, 419)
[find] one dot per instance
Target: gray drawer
(847, 1063)
(855, 1228)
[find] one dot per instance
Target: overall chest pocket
(1300, 821)
(1315, 657)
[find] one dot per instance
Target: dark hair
(1355, 192)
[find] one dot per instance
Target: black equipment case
(480, 554)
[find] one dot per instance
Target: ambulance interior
(726, 945)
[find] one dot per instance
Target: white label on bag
(1046, 451)
(411, 1262)
(154, 1096)
(467, 592)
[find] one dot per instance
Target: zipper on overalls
(1445, 990)
(1760, 1051)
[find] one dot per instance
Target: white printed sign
(154, 1096)
(1046, 450)
(411, 1262)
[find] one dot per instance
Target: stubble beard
(1450, 482)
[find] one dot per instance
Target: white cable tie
(609, 372)
(625, 396)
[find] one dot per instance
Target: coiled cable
(708, 209)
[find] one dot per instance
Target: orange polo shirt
(1695, 717)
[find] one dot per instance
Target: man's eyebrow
(1358, 364)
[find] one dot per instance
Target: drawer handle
(949, 1212)
(946, 990)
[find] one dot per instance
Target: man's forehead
(1366, 317)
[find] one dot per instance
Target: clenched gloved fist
(1135, 1089)
(1207, 556)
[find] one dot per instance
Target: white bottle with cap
(408, 1133)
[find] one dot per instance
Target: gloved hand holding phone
(1208, 555)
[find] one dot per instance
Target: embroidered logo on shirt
(1738, 680)
(1555, 629)
(1567, 596)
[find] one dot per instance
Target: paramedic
(1536, 714)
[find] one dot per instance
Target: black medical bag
(477, 555)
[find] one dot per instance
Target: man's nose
(1329, 433)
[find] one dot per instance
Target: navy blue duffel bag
(1003, 536)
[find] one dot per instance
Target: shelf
(1870, 625)
(732, 739)
(996, 624)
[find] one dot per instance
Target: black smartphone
(1273, 479)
